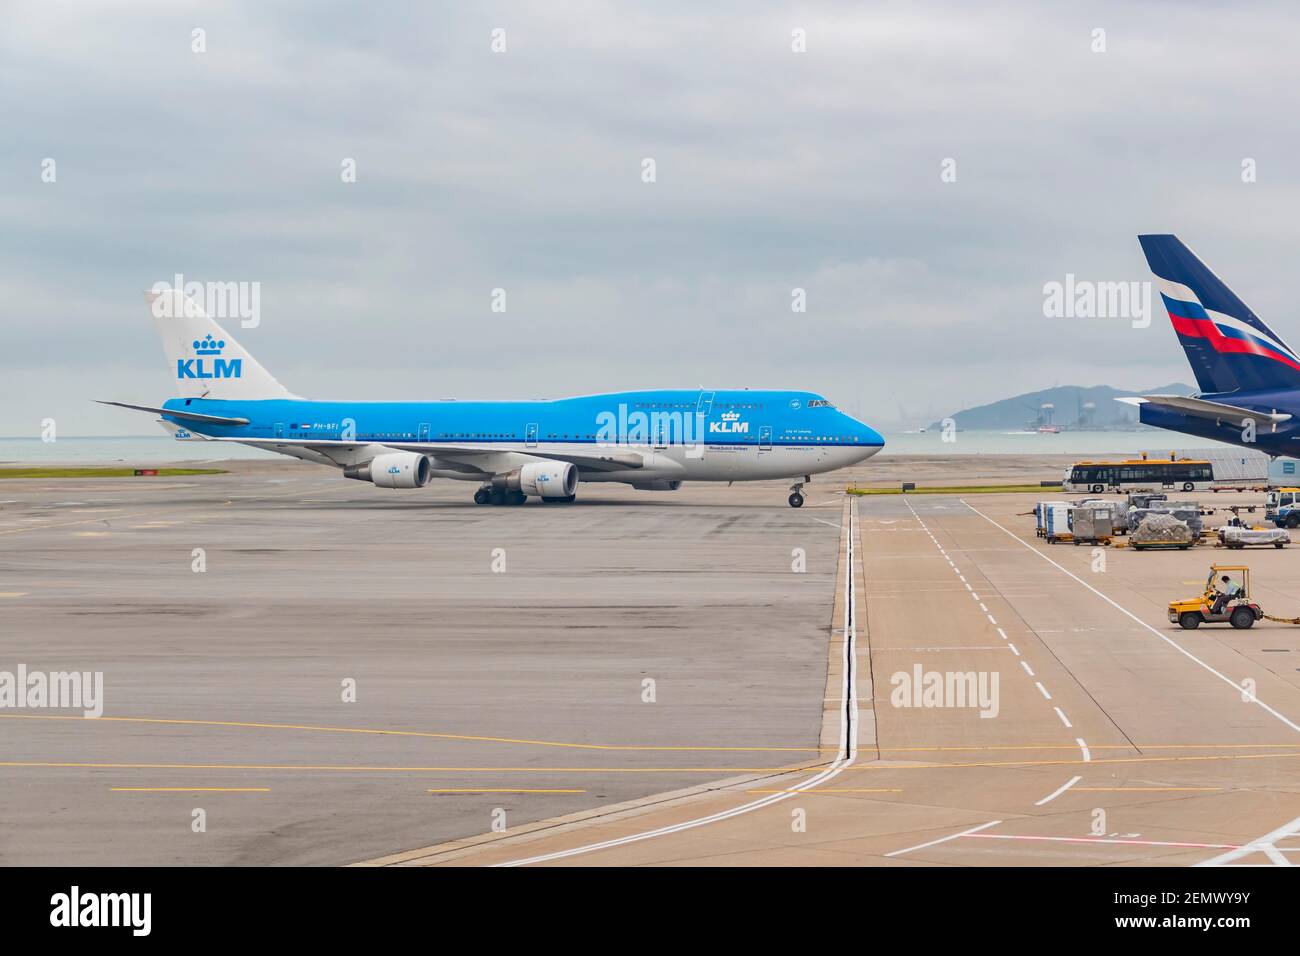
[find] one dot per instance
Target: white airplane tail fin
(205, 360)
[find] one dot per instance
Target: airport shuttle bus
(1144, 474)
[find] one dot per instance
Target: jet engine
(398, 469)
(543, 479)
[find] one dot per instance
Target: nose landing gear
(796, 498)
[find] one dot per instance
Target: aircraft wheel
(796, 500)
(496, 496)
(482, 496)
(516, 498)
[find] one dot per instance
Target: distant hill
(1069, 408)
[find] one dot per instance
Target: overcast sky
(522, 170)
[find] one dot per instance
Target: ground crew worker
(1227, 591)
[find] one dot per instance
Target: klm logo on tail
(199, 368)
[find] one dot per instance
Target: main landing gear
(499, 496)
(796, 498)
(488, 495)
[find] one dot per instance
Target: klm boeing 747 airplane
(652, 440)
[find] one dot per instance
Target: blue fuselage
(688, 434)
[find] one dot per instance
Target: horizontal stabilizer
(1200, 408)
(174, 413)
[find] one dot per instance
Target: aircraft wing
(594, 461)
(476, 458)
(1218, 411)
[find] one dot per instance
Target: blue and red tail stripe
(1191, 319)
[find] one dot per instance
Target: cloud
(521, 171)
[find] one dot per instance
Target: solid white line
(1058, 791)
(1274, 854)
(1065, 720)
(1087, 756)
(1088, 839)
(848, 748)
(1255, 846)
(1168, 640)
(922, 846)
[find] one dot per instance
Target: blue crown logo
(209, 345)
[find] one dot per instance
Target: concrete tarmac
(1116, 739)
(509, 664)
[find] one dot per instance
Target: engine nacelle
(398, 469)
(549, 479)
(543, 479)
(658, 484)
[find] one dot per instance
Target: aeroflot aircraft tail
(652, 440)
(1249, 378)
(1229, 346)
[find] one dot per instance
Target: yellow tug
(1239, 610)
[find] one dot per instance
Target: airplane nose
(867, 438)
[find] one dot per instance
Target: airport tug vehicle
(1240, 611)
